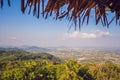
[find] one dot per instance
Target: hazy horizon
(84, 47)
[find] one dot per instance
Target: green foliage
(46, 69)
(13, 55)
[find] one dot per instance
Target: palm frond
(76, 10)
(1, 3)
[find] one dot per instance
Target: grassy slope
(13, 55)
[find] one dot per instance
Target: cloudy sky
(17, 29)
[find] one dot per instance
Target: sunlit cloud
(91, 35)
(102, 33)
(13, 38)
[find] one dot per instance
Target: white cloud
(78, 35)
(102, 33)
(82, 35)
(13, 38)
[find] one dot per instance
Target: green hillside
(22, 65)
(47, 70)
(14, 55)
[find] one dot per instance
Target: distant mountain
(10, 48)
(1, 48)
(35, 49)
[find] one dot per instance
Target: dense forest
(22, 65)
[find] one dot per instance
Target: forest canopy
(22, 65)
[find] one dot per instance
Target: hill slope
(13, 55)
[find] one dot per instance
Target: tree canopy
(76, 10)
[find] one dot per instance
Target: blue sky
(17, 29)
